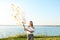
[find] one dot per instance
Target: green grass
(24, 37)
(34, 38)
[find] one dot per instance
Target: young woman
(30, 30)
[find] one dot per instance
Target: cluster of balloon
(17, 14)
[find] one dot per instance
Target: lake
(40, 30)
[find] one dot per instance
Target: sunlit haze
(41, 12)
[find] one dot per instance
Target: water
(6, 31)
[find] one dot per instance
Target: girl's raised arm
(23, 25)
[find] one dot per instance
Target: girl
(30, 30)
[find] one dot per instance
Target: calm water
(44, 30)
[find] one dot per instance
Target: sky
(41, 12)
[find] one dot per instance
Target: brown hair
(31, 23)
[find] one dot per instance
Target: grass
(34, 38)
(24, 37)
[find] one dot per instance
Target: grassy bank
(24, 37)
(45, 38)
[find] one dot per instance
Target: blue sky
(44, 11)
(41, 12)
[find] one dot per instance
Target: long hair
(31, 23)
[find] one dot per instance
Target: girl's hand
(23, 23)
(31, 31)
